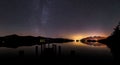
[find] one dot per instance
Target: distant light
(42, 40)
(81, 35)
(77, 36)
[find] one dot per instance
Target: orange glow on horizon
(80, 36)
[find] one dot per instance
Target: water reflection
(66, 48)
(72, 52)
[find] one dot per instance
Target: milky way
(58, 18)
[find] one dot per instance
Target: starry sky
(59, 18)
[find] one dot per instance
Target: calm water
(66, 48)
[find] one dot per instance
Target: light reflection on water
(78, 47)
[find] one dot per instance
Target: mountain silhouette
(14, 41)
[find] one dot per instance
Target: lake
(65, 49)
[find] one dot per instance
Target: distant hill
(16, 40)
(92, 39)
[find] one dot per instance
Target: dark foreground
(48, 55)
(71, 59)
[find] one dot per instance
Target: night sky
(59, 18)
